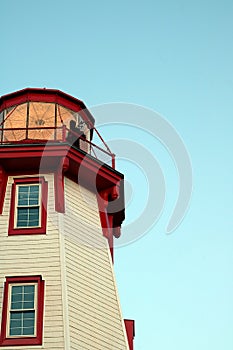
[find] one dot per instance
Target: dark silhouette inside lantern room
(75, 134)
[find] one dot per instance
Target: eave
(80, 167)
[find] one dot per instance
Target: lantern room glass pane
(65, 115)
(41, 117)
(15, 118)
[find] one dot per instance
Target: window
(22, 310)
(22, 316)
(28, 206)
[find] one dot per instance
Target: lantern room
(35, 115)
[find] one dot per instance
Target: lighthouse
(61, 206)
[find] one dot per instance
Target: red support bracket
(107, 218)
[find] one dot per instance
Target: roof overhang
(87, 171)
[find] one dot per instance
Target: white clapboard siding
(82, 310)
(94, 316)
(36, 255)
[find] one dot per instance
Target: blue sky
(174, 57)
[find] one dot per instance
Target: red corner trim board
(3, 183)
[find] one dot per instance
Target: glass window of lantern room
(15, 123)
(42, 120)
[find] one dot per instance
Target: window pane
(17, 297)
(33, 201)
(17, 290)
(28, 195)
(23, 195)
(23, 189)
(29, 289)
(22, 323)
(28, 323)
(16, 320)
(34, 195)
(28, 301)
(29, 315)
(34, 189)
(34, 216)
(17, 305)
(33, 211)
(16, 325)
(23, 300)
(28, 331)
(22, 217)
(28, 217)
(28, 304)
(16, 316)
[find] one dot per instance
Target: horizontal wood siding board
(94, 256)
(96, 273)
(97, 338)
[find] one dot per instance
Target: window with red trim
(22, 313)
(28, 211)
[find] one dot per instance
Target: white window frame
(22, 310)
(30, 206)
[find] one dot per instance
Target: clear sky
(176, 58)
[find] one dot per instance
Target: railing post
(113, 160)
(63, 133)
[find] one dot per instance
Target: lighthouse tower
(61, 204)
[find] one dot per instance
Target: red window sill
(26, 231)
